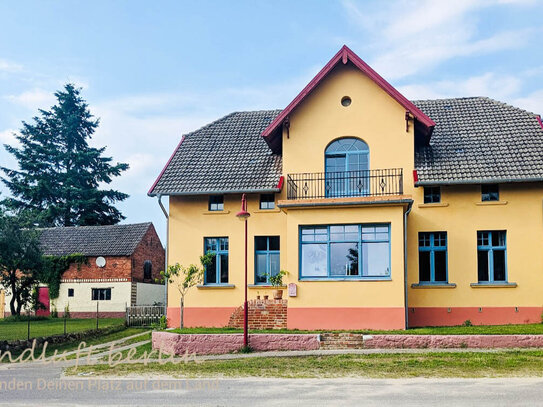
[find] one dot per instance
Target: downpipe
(165, 212)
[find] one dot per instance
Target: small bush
(467, 322)
(54, 313)
(160, 325)
(246, 349)
(19, 318)
(67, 311)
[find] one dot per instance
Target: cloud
(428, 33)
(489, 84)
(8, 66)
(33, 99)
(8, 137)
(532, 102)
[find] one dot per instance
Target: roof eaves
(222, 192)
(477, 181)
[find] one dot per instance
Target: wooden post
(97, 302)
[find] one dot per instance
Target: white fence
(143, 315)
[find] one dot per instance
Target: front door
(43, 298)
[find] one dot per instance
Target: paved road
(43, 386)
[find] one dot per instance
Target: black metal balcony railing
(345, 184)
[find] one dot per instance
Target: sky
(155, 70)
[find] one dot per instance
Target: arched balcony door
(347, 168)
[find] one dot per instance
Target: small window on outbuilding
(267, 201)
(216, 202)
(101, 294)
(490, 192)
(70, 292)
(147, 270)
(432, 195)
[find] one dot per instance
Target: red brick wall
(150, 248)
(116, 267)
(263, 314)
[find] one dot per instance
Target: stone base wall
(207, 344)
(345, 340)
(263, 314)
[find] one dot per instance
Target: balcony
(345, 184)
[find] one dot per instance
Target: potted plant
(277, 281)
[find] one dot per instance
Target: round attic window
(345, 101)
(100, 262)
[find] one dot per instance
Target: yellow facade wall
(461, 214)
(379, 120)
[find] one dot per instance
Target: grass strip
(514, 363)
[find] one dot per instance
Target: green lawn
(515, 363)
(14, 330)
(92, 340)
(527, 329)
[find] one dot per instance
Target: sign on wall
(292, 290)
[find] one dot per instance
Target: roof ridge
(487, 98)
(94, 226)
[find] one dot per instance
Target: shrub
(467, 322)
(160, 325)
(67, 311)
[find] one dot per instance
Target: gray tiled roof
(478, 140)
(475, 140)
(227, 155)
(115, 240)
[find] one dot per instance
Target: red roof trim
(540, 122)
(280, 183)
(344, 55)
(166, 166)
(415, 176)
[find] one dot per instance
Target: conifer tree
(60, 177)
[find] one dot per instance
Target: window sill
(215, 213)
(429, 285)
(328, 279)
(433, 205)
(276, 210)
(265, 286)
(493, 285)
(214, 286)
(491, 203)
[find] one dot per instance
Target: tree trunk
(12, 305)
(182, 312)
(13, 287)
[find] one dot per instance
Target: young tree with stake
(184, 278)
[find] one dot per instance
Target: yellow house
(386, 213)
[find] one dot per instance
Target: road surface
(45, 386)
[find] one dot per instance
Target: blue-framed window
(216, 203)
(266, 258)
(267, 201)
(491, 256)
(346, 167)
(217, 272)
(345, 251)
(433, 257)
(490, 192)
(432, 194)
